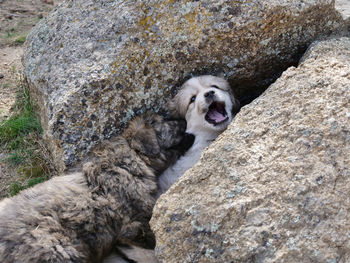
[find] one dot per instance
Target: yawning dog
(208, 105)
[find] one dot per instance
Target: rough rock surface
(274, 187)
(343, 6)
(92, 64)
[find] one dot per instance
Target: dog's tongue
(216, 116)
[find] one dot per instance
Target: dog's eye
(193, 99)
(214, 86)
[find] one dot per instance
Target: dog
(208, 104)
(80, 217)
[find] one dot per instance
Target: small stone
(1, 76)
(49, 2)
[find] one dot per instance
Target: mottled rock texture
(343, 6)
(92, 64)
(275, 186)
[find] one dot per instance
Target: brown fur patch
(81, 216)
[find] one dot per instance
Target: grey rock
(274, 187)
(1, 76)
(93, 64)
(343, 6)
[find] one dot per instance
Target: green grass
(14, 130)
(5, 85)
(21, 139)
(17, 186)
(10, 33)
(15, 159)
(33, 181)
(20, 40)
(15, 38)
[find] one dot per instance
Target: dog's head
(158, 141)
(207, 103)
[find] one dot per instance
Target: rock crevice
(273, 187)
(92, 65)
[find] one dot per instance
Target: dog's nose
(209, 94)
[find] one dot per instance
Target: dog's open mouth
(216, 113)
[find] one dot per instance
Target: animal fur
(208, 105)
(207, 91)
(81, 216)
(135, 254)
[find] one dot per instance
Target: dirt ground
(17, 17)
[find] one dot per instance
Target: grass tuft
(20, 40)
(15, 188)
(10, 33)
(18, 126)
(23, 122)
(21, 139)
(33, 181)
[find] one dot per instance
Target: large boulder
(93, 64)
(275, 186)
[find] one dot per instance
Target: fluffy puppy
(208, 105)
(80, 216)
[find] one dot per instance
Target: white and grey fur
(206, 89)
(193, 102)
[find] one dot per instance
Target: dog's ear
(142, 137)
(236, 105)
(178, 106)
(185, 143)
(171, 133)
(146, 143)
